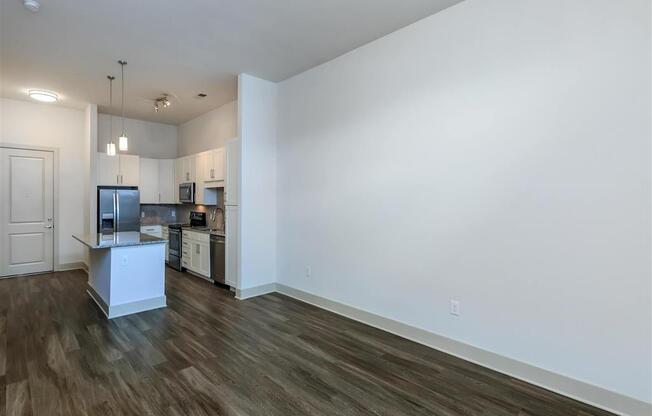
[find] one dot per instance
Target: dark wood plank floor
(208, 354)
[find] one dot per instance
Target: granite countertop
(119, 239)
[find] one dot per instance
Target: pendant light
(123, 141)
(110, 146)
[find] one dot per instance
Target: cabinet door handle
(117, 179)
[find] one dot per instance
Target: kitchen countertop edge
(131, 238)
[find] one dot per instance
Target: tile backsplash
(158, 214)
(167, 214)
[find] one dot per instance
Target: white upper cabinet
(129, 170)
(203, 166)
(210, 166)
(186, 169)
(157, 181)
(232, 172)
(149, 181)
(216, 171)
(107, 170)
(166, 185)
(119, 170)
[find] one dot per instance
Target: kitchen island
(126, 272)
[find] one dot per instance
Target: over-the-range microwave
(187, 193)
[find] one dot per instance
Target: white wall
(146, 139)
(90, 173)
(257, 130)
(46, 125)
(497, 153)
(208, 131)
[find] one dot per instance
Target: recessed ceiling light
(44, 96)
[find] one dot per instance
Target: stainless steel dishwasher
(218, 259)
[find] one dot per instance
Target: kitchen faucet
(214, 213)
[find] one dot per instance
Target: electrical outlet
(455, 307)
(124, 260)
(174, 214)
(308, 271)
(142, 214)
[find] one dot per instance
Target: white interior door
(26, 211)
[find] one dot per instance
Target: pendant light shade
(123, 140)
(123, 143)
(110, 146)
(110, 149)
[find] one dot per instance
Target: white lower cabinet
(231, 225)
(195, 253)
(153, 230)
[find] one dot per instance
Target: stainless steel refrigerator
(118, 209)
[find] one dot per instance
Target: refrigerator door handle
(115, 224)
(117, 211)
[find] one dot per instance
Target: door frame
(55, 191)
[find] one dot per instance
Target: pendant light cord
(122, 68)
(111, 78)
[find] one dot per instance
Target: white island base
(127, 279)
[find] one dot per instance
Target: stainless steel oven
(187, 193)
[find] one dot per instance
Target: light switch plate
(455, 307)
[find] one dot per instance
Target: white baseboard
(116, 311)
(242, 294)
(70, 266)
(576, 389)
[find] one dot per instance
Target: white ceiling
(182, 47)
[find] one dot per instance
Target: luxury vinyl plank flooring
(208, 354)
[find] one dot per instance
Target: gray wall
(146, 139)
(208, 131)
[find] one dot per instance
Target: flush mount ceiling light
(43, 96)
(123, 140)
(31, 5)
